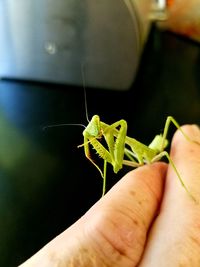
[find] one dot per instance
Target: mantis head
(93, 128)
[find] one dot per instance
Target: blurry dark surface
(45, 181)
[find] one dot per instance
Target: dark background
(46, 183)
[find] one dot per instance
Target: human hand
(146, 220)
(183, 18)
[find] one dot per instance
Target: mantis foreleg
(116, 142)
(115, 139)
(101, 150)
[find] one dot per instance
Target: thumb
(186, 156)
(113, 232)
(174, 238)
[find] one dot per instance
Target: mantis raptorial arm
(87, 152)
(116, 143)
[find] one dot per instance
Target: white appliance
(50, 41)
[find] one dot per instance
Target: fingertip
(189, 132)
(186, 140)
(160, 167)
(151, 176)
(141, 187)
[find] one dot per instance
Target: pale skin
(183, 18)
(145, 220)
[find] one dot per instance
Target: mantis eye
(93, 130)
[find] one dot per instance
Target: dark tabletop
(46, 183)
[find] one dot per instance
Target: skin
(183, 18)
(146, 220)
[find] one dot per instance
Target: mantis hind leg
(104, 178)
(170, 120)
(166, 154)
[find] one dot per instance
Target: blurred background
(141, 63)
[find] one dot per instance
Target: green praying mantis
(120, 146)
(122, 149)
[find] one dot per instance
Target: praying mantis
(120, 146)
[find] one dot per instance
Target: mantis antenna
(86, 108)
(84, 87)
(63, 124)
